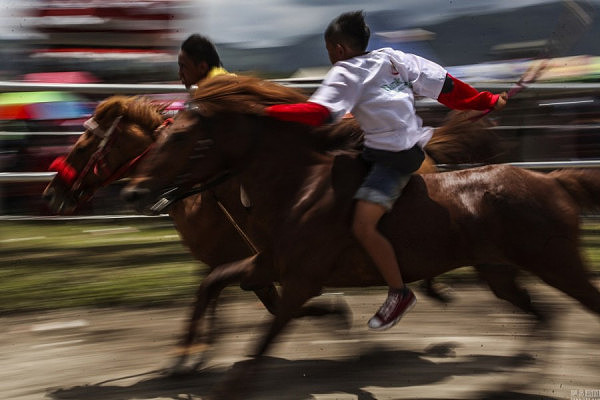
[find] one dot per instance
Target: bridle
(96, 163)
(174, 194)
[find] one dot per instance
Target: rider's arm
(334, 98)
(308, 113)
(455, 94)
(459, 95)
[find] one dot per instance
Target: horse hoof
(344, 312)
(178, 367)
(179, 371)
(184, 366)
(438, 291)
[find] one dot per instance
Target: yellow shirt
(215, 71)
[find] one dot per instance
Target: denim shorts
(389, 174)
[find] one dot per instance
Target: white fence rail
(16, 177)
(539, 90)
(533, 90)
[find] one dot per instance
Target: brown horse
(200, 220)
(301, 184)
(204, 220)
(203, 228)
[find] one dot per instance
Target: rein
(171, 196)
(175, 194)
(125, 167)
(237, 227)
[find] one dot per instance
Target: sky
(260, 23)
(263, 23)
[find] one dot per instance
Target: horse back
(480, 215)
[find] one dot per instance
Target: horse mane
(233, 93)
(139, 109)
(250, 95)
(463, 139)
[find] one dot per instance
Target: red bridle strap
(69, 174)
(125, 167)
(129, 165)
(64, 170)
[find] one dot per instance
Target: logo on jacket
(396, 86)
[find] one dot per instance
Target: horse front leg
(269, 297)
(207, 293)
(336, 308)
(437, 291)
(294, 293)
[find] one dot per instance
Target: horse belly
(354, 268)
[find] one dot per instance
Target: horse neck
(282, 163)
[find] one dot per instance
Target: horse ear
(123, 106)
(111, 108)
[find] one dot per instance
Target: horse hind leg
(563, 268)
(502, 279)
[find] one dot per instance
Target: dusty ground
(476, 348)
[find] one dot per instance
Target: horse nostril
(48, 195)
(131, 195)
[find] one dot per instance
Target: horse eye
(177, 137)
(79, 149)
(87, 144)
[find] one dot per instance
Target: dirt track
(475, 348)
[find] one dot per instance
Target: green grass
(49, 265)
(54, 264)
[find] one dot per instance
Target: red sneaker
(395, 306)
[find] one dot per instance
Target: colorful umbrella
(45, 105)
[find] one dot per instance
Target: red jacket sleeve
(309, 113)
(465, 97)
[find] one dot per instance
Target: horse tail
(460, 140)
(583, 185)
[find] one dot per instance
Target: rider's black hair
(200, 48)
(350, 29)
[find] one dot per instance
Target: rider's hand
(501, 103)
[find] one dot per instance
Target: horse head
(119, 132)
(191, 154)
(218, 134)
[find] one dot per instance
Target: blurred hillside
(457, 41)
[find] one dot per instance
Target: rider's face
(190, 72)
(337, 51)
(333, 51)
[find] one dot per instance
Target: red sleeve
(312, 114)
(465, 97)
